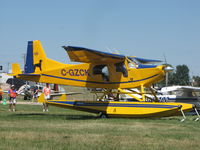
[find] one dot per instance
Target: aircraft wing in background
(175, 88)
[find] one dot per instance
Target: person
(47, 92)
(12, 98)
(105, 73)
(35, 93)
(1, 93)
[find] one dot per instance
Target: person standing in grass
(1, 93)
(35, 93)
(47, 92)
(12, 93)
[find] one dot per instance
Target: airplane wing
(175, 88)
(80, 54)
(190, 88)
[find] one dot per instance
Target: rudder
(35, 57)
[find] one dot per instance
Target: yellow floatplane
(107, 71)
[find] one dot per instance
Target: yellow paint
(63, 97)
(125, 109)
(41, 98)
(15, 69)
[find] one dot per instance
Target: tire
(103, 116)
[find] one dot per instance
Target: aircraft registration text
(74, 72)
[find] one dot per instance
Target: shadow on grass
(67, 117)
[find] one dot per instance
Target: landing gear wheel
(102, 115)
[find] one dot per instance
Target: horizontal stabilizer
(69, 93)
(41, 98)
(63, 97)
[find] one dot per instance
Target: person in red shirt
(12, 93)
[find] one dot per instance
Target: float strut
(197, 114)
(184, 117)
(142, 90)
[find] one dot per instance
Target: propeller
(167, 69)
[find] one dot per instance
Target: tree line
(180, 76)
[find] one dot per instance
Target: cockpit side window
(120, 67)
(98, 69)
(103, 70)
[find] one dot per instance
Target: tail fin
(36, 60)
(35, 57)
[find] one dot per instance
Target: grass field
(61, 129)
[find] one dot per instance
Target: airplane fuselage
(85, 75)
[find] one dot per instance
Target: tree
(180, 76)
(196, 80)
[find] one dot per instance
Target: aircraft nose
(168, 68)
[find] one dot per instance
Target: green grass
(61, 129)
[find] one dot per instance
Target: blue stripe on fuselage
(99, 82)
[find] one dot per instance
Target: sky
(144, 28)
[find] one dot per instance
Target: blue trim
(75, 103)
(99, 82)
(141, 66)
(183, 98)
(27, 74)
(146, 61)
(63, 102)
(29, 67)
